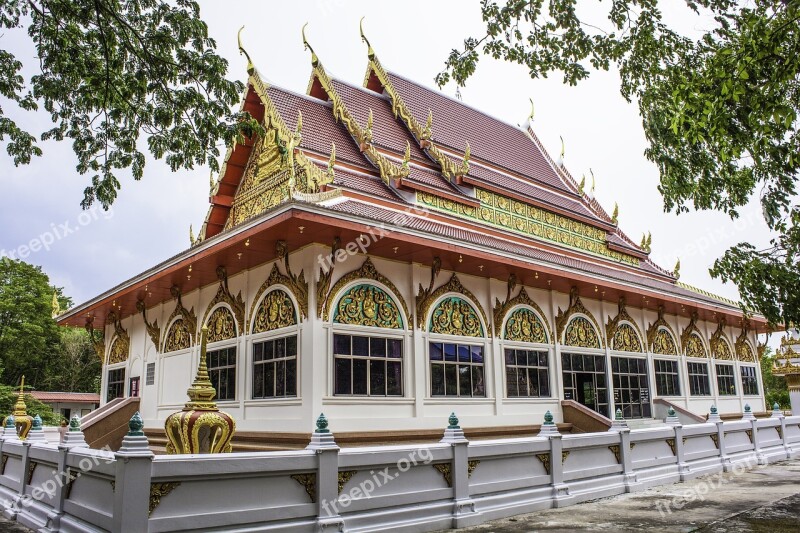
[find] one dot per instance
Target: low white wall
(423, 487)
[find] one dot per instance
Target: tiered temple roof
(432, 167)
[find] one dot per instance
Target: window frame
(385, 334)
(272, 337)
(228, 344)
(677, 378)
(707, 375)
(458, 341)
(753, 378)
(527, 347)
(150, 374)
(122, 382)
(729, 378)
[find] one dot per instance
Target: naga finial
(582, 184)
(56, 305)
(593, 181)
(465, 162)
(370, 51)
(677, 271)
(427, 132)
(649, 240)
(563, 149)
(615, 215)
(407, 156)
(368, 129)
(191, 235)
(530, 117)
(332, 161)
(250, 67)
(314, 58)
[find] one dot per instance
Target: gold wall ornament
(367, 305)
(426, 299)
(506, 213)
(275, 311)
(424, 294)
(661, 337)
(296, 282)
(524, 326)
(389, 171)
(455, 316)
(671, 444)
(182, 325)
(615, 450)
(324, 280)
(581, 331)
(692, 340)
(343, 477)
(222, 328)
(221, 324)
(622, 331)
(200, 427)
(152, 329)
(158, 491)
(545, 460)
(98, 341)
(121, 343)
(720, 347)
(744, 351)
(528, 325)
(445, 469)
(367, 271)
(22, 420)
(309, 482)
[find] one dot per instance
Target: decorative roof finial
(314, 58)
(649, 241)
(591, 191)
(368, 129)
(191, 235)
(370, 51)
(615, 215)
(458, 93)
(465, 162)
(56, 305)
(677, 271)
(407, 156)
(530, 117)
(427, 132)
(211, 182)
(560, 161)
(250, 67)
(332, 162)
(582, 184)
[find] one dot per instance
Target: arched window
(275, 345)
(527, 366)
(222, 353)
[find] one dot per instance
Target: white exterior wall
(416, 409)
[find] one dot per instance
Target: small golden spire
(314, 58)
(211, 182)
(370, 51)
(20, 409)
(299, 127)
(677, 271)
(201, 393)
(250, 67)
(407, 156)
(615, 215)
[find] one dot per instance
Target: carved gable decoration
(295, 283)
(276, 311)
(229, 328)
(455, 316)
(367, 314)
(121, 343)
(622, 331)
(526, 322)
(582, 330)
(692, 341)
(182, 326)
(524, 326)
(744, 351)
(152, 329)
(720, 347)
(368, 305)
(660, 337)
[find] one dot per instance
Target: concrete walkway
(763, 499)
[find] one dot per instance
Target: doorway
(585, 380)
(631, 387)
(134, 389)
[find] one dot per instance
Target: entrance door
(585, 380)
(134, 390)
(631, 387)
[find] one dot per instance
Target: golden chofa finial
(407, 156)
(615, 215)
(250, 67)
(560, 161)
(464, 170)
(332, 162)
(191, 235)
(530, 117)
(582, 184)
(591, 191)
(427, 132)
(677, 271)
(314, 58)
(370, 51)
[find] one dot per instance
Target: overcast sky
(150, 220)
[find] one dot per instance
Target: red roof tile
(64, 397)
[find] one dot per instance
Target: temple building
(388, 255)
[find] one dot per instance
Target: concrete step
(643, 423)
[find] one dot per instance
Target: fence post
(74, 438)
(760, 457)
(132, 481)
(561, 496)
(629, 475)
(323, 443)
(684, 471)
(463, 506)
(727, 465)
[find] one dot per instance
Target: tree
(28, 334)
(719, 109)
(108, 73)
(77, 366)
(8, 397)
(775, 388)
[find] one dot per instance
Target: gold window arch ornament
(225, 313)
(576, 326)
(692, 340)
(520, 318)
(120, 344)
(276, 310)
(744, 350)
(622, 332)
(451, 309)
(221, 324)
(660, 337)
(720, 347)
(181, 325)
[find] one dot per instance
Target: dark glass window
(698, 379)
(749, 380)
(668, 382)
(631, 389)
(367, 366)
(275, 368)
(585, 380)
(726, 380)
(222, 371)
(150, 374)
(457, 370)
(527, 374)
(116, 384)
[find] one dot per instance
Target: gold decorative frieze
(367, 271)
(455, 316)
(526, 323)
(660, 337)
(720, 348)
(692, 341)
(276, 311)
(580, 333)
(744, 351)
(309, 482)
(367, 305)
(576, 326)
(512, 215)
(158, 491)
(294, 282)
(219, 325)
(153, 331)
(121, 343)
(182, 325)
(622, 332)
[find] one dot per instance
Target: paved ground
(764, 499)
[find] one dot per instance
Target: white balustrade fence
(382, 488)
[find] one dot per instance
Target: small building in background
(69, 403)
